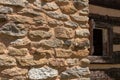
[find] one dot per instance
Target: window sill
(100, 59)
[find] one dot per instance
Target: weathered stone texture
(44, 40)
(17, 52)
(38, 34)
(5, 10)
(13, 2)
(14, 72)
(3, 48)
(52, 43)
(75, 72)
(28, 61)
(61, 32)
(7, 61)
(11, 29)
(42, 73)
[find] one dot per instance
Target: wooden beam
(115, 4)
(106, 19)
(104, 11)
(116, 38)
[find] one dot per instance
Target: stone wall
(44, 39)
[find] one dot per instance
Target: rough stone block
(39, 34)
(6, 10)
(63, 53)
(75, 72)
(7, 61)
(3, 48)
(61, 32)
(52, 43)
(11, 29)
(14, 2)
(42, 73)
(50, 6)
(14, 72)
(24, 61)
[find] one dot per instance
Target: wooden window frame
(105, 58)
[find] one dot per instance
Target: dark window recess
(98, 42)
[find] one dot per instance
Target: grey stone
(52, 43)
(82, 32)
(55, 23)
(40, 20)
(42, 73)
(5, 10)
(38, 34)
(80, 4)
(75, 72)
(3, 17)
(67, 43)
(71, 24)
(30, 11)
(14, 2)
(12, 29)
(57, 15)
(81, 44)
(20, 42)
(50, 6)
(7, 61)
(38, 3)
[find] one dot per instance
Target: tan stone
(73, 61)
(7, 61)
(52, 43)
(28, 61)
(21, 19)
(63, 53)
(40, 19)
(79, 18)
(21, 42)
(65, 33)
(68, 9)
(2, 48)
(45, 53)
(54, 23)
(84, 11)
(51, 6)
(40, 27)
(84, 62)
(81, 53)
(57, 62)
(17, 52)
(39, 34)
(14, 72)
(62, 2)
(35, 45)
(48, 0)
